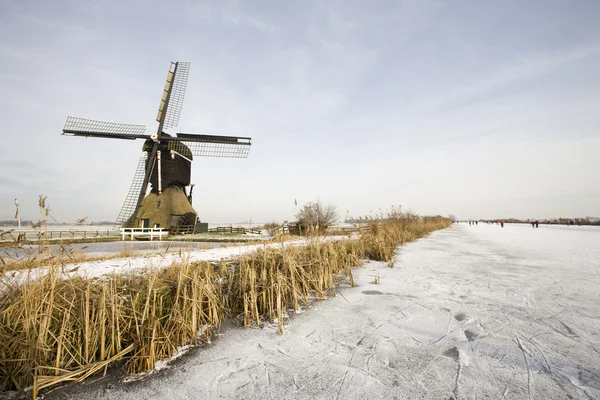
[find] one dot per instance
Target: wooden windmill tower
(166, 162)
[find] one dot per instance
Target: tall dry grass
(52, 326)
(387, 231)
(264, 284)
(56, 329)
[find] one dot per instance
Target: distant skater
(501, 224)
(537, 224)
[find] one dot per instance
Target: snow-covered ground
(468, 312)
(105, 249)
(152, 260)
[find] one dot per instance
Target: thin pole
(18, 217)
(159, 172)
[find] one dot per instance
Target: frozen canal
(471, 312)
(102, 249)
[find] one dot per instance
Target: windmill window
(158, 204)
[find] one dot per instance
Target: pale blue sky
(482, 109)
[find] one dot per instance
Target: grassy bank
(54, 330)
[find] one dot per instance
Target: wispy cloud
(404, 99)
(232, 13)
(522, 69)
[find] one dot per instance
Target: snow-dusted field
(159, 259)
(468, 312)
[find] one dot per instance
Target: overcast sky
(482, 109)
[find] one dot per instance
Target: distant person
(537, 223)
(476, 222)
(501, 224)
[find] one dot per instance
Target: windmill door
(145, 223)
(174, 221)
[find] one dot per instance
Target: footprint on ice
(460, 316)
(471, 335)
(452, 353)
(371, 292)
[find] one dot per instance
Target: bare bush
(316, 217)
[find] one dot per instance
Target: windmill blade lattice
(218, 149)
(89, 127)
(132, 196)
(166, 175)
(177, 94)
(211, 149)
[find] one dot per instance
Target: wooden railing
(143, 232)
(183, 230)
(240, 230)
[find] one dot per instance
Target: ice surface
(103, 249)
(468, 312)
(123, 265)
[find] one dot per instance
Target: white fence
(143, 232)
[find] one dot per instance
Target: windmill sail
(173, 172)
(212, 146)
(176, 84)
(129, 206)
(165, 94)
(92, 128)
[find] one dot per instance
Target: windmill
(166, 160)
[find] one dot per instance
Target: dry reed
(56, 329)
(53, 326)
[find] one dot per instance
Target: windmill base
(170, 210)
